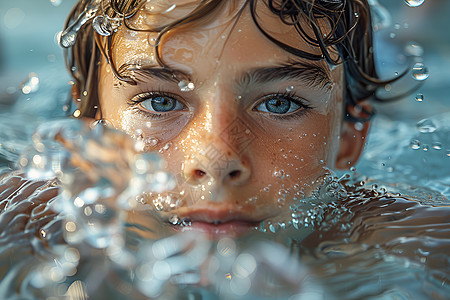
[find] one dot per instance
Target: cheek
(292, 160)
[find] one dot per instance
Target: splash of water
(69, 35)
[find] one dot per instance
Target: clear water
(387, 238)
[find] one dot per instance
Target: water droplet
(426, 126)
(419, 97)
(186, 86)
(414, 144)
(289, 88)
(166, 146)
(413, 49)
(392, 35)
(69, 35)
(151, 141)
(174, 220)
(56, 2)
(414, 3)
(359, 126)
(281, 202)
(437, 146)
(397, 26)
(139, 134)
(68, 40)
(266, 189)
(31, 84)
(43, 233)
(420, 72)
(77, 113)
(153, 42)
(353, 169)
(425, 147)
(102, 26)
(278, 174)
(158, 203)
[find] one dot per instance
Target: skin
(235, 161)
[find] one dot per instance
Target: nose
(221, 166)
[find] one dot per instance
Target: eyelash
(291, 96)
(141, 96)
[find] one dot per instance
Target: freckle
(229, 153)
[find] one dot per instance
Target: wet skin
(254, 129)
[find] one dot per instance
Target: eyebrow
(152, 72)
(312, 74)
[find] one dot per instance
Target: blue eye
(158, 103)
(279, 104)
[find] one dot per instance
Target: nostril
(199, 173)
(235, 174)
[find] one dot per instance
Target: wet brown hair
(350, 35)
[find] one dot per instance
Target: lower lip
(228, 229)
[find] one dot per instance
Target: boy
(245, 100)
(251, 104)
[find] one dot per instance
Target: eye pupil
(278, 105)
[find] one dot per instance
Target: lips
(217, 222)
(228, 229)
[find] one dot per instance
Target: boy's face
(246, 127)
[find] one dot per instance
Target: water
(358, 237)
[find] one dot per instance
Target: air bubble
(414, 3)
(420, 72)
(426, 126)
(186, 86)
(419, 97)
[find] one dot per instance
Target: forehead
(227, 33)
